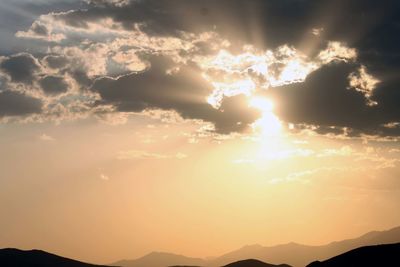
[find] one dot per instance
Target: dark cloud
(20, 67)
(17, 104)
(39, 29)
(370, 26)
(184, 91)
(264, 23)
(234, 115)
(325, 99)
(56, 61)
(53, 85)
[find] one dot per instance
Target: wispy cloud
(104, 177)
(45, 137)
(139, 154)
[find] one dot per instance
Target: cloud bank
(330, 64)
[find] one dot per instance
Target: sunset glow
(268, 124)
(150, 129)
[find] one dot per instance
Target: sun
(268, 124)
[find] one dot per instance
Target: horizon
(196, 127)
(211, 258)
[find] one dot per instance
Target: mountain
(253, 263)
(11, 257)
(161, 259)
(372, 256)
(298, 255)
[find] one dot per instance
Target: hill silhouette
(161, 259)
(11, 257)
(253, 263)
(298, 255)
(294, 254)
(371, 256)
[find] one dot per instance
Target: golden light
(246, 87)
(268, 124)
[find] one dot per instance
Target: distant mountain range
(296, 255)
(363, 251)
(11, 257)
(371, 256)
(156, 259)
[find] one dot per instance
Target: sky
(196, 127)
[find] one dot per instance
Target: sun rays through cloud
(196, 127)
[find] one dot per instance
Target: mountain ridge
(300, 254)
(293, 254)
(12, 257)
(162, 259)
(254, 263)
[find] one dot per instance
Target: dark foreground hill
(372, 256)
(253, 263)
(11, 257)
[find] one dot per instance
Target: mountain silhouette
(161, 259)
(253, 263)
(371, 256)
(352, 251)
(11, 257)
(298, 255)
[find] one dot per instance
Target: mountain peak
(157, 258)
(253, 263)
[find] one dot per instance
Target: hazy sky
(196, 127)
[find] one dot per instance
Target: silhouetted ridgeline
(295, 255)
(364, 251)
(253, 263)
(372, 256)
(162, 259)
(298, 255)
(10, 257)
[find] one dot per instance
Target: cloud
(330, 99)
(18, 104)
(104, 177)
(104, 3)
(20, 67)
(55, 61)
(47, 138)
(245, 20)
(184, 91)
(336, 51)
(138, 154)
(330, 64)
(41, 31)
(297, 177)
(53, 85)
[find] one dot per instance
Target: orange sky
(196, 127)
(101, 193)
